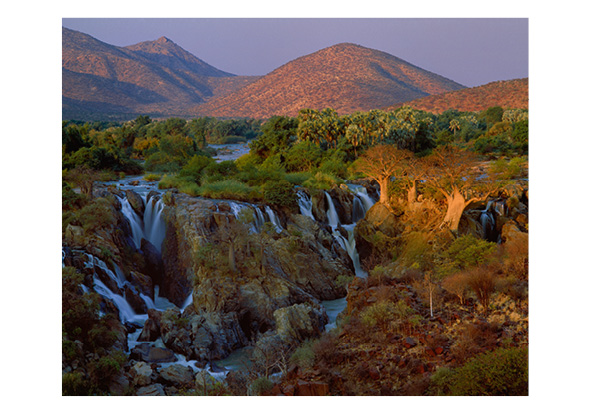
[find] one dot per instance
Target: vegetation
(443, 311)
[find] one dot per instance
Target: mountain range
(159, 78)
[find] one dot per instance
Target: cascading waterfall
(305, 204)
(151, 226)
(258, 216)
(154, 228)
(361, 204)
(137, 229)
(488, 221)
(273, 219)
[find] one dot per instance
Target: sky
(469, 51)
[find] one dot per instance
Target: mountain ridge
(160, 78)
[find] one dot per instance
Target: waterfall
(151, 226)
(348, 244)
(358, 210)
(273, 219)
(135, 221)
(259, 218)
(331, 213)
(155, 230)
(305, 204)
(333, 309)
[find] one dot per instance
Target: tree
(453, 173)
(83, 177)
(381, 163)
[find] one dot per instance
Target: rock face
(274, 271)
(299, 321)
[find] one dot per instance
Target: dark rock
(409, 342)
(151, 354)
(177, 375)
(136, 202)
(136, 302)
(152, 390)
(154, 266)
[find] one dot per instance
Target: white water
(333, 309)
(137, 228)
(348, 244)
(273, 219)
(151, 226)
(305, 204)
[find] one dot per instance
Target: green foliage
(219, 171)
(468, 251)
(416, 251)
(280, 193)
(304, 356)
(152, 177)
(75, 384)
(260, 386)
(195, 167)
(303, 156)
(322, 181)
(502, 372)
(493, 114)
(277, 134)
(103, 370)
(509, 169)
(228, 189)
(98, 214)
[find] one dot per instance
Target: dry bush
(474, 339)
(482, 281)
(457, 284)
(516, 252)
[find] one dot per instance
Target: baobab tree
(381, 163)
(453, 172)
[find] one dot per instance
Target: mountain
(506, 93)
(345, 77)
(155, 77)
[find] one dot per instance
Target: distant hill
(345, 77)
(507, 94)
(155, 77)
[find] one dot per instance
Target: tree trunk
(412, 193)
(456, 203)
(384, 199)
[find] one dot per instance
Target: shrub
(322, 181)
(502, 372)
(280, 193)
(152, 177)
(74, 384)
(260, 386)
(195, 166)
(228, 189)
(219, 171)
(304, 356)
(96, 215)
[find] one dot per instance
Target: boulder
(143, 283)
(177, 375)
(151, 329)
(304, 388)
(136, 202)
(154, 266)
(141, 374)
(151, 354)
(152, 390)
(136, 302)
(299, 322)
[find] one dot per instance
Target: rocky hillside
(509, 94)
(345, 77)
(159, 78)
(155, 77)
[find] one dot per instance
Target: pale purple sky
(472, 52)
